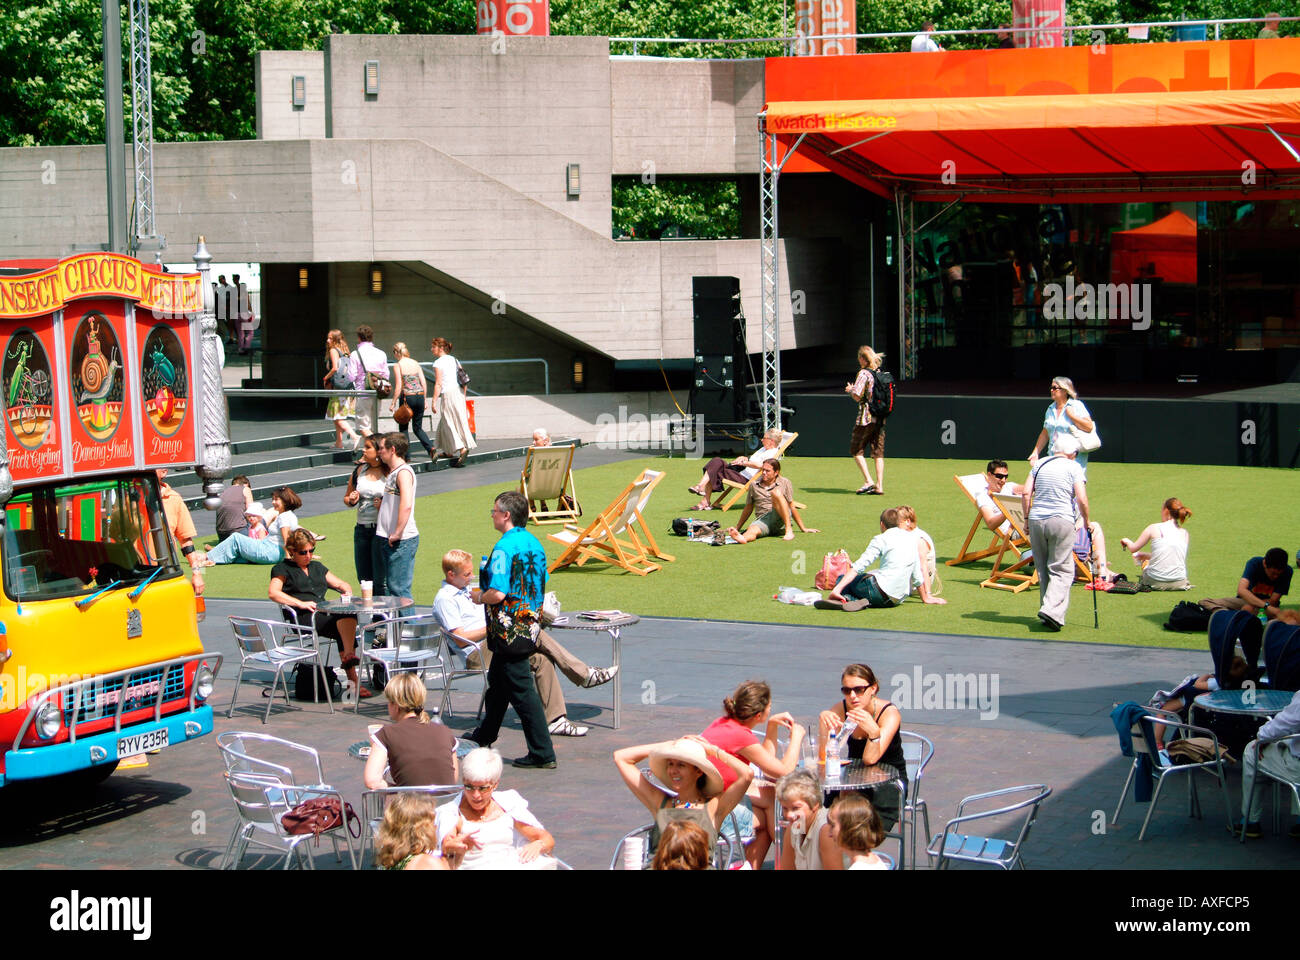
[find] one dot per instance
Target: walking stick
(1092, 564)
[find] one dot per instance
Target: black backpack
(1188, 617)
(881, 403)
(304, 689)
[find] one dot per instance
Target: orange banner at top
(101, 275)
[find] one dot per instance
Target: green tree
(700, 209)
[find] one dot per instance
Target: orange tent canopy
(1068, 133)
(1164, 249)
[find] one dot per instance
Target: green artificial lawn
(1238, 512)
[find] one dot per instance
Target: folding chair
(1013, 509)
(548, 475)
(969, 484)
(740, 490)
(618, 535)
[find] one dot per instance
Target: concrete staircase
(307, 461)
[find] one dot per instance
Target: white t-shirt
(761, 454)
(288, 520)
(924, 43)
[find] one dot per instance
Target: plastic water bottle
(845, 732)
(832, 759)
(787, 594)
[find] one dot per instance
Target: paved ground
(1051, 726)
(1048, 723)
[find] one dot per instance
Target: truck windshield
(68, 540)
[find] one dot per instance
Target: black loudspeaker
(718, 385)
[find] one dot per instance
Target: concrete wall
(685, 116)
(518, 115)
(277, 117)
(592, 417)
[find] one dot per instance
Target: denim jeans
(398, 565)
(416, 402)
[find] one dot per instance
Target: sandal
(866, 488)
(696, 490)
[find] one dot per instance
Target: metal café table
(1252, 702)
(856, 775)
(586, 620)
(355, 605)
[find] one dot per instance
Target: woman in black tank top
(876, 738)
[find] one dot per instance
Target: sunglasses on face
(1000, 476)
(303, 553)
(856, 691)
(479, 787)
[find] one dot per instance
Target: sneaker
(531, 762)
(598, 675)
(564, 727)
(1253, 830)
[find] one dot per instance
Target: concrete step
(322, 471)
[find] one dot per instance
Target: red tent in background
(1165, 249)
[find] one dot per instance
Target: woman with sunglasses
(1065, 414)
(489, 829)
(875, 740)
(298, 585)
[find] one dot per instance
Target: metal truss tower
(144, 236)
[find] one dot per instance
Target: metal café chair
(409, 645)
(451, 649)
(1161, 766)
(952, 845)
(917, 753)
(260, 649)
(374, 801)
(261, 801)
(725, 853)
(1277, 782)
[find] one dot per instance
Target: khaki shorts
(869, 439)
(770, 524)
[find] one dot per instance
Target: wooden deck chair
(1013, 509)
(739, 490)
(1011, 506)
(548, 475)
(618, 535)
(969, 484)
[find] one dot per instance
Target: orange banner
(101, 275)
(514, 18)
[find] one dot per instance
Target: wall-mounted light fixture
(299, 92)
(376, 280)
(303, 279)
(372, 78)
(572, 180)
(579, 373)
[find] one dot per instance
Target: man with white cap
(1055, 489)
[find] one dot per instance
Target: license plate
(141, 742)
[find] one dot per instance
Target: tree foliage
(699, 209)
(51, 77)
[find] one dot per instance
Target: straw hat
(687, 751)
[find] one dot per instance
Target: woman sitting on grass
(1164, 565)
(280, 522)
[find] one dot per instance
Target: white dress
(499, 843)
(453, 417)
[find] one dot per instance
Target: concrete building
(451, 181)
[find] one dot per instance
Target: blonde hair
(406, 691)
(409, 828)
(399, 350)
(906, 514)
(874, 360)
(335, 338)
(456, 560)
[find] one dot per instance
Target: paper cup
(367, 589)
(633, 853)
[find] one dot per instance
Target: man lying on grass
(771, 499)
